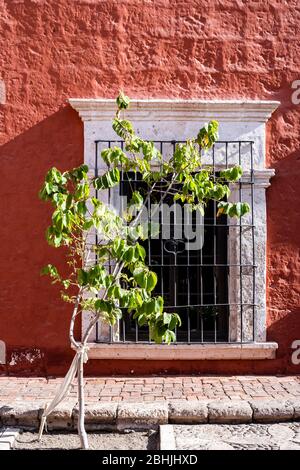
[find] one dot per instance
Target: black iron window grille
(212, 287)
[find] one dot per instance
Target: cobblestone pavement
(151, 389)
(284, 436)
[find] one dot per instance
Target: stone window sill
(184, 352)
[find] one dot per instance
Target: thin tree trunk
(81, 428)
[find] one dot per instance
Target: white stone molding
(162, 119)
(243, 290)
(182, 110)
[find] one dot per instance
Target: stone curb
(229, 412)
(141, 415)
(121, 416)
(98, 416)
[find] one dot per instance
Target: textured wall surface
(54, 49)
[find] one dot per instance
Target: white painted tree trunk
(81, 404)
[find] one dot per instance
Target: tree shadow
(33, 319)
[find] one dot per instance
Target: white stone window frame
(164, 119)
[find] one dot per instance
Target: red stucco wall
(54, 49)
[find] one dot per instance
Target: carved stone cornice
(97, 109)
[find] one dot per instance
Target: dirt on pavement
(147, 440)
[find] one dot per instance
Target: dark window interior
(194, 283)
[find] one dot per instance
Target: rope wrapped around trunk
(63, 389)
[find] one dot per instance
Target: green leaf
(133, 144)
(78, 174)
(82, 191)
(81, 208)
(54, 175)
(237, 209)
(122, 101)
(50, 270)
(150, 152)
(175, 321)
(169, 336)
(137, 199)
(82, 277)
(88, 224)
(145, 278)
(223, 208)
(218, 192)
(108, 180)
(208, 135)
(140, 276)
(232, 174)
(129, 254)
(116, 292)
(104, 305)
(114, 156)
(245, 208)
(122, 128)
(167, 317)
(142, 320)
(118, 247)
(159, 306)
(136, 231)
(140, 251)
(151, 281)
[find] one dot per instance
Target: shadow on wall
(283, 256)
(33, 320)
(285, 329)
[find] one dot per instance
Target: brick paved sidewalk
(150, 389)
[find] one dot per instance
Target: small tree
(78, 215)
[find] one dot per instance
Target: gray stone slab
(98, 416)
(268, 411)
(229, 411)
(186, 412)
(141, 415)
(252, 436)
(295, 403)
(25, 414)
(61, 417)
